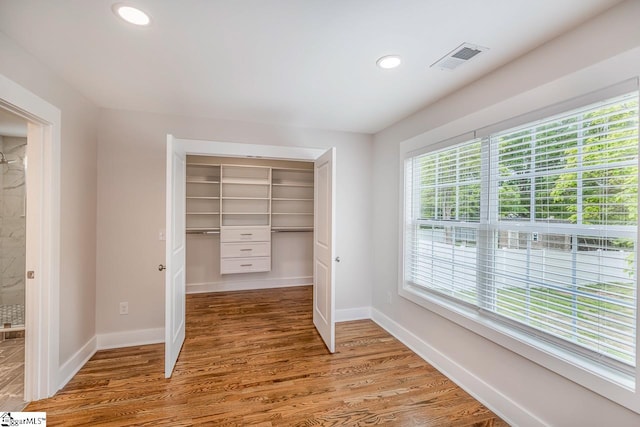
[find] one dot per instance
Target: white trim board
(130, 338)
(71, 367)
(197, 147)
(246, 285)
(104, 342)
(354, 313)
(509, 411)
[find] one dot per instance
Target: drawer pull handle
(246, 265)
(246, 250)
(246, 234)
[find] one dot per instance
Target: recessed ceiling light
(131, 14)
(389, 61)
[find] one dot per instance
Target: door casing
(231, 149)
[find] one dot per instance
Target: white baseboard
(505, 408)
(357, 313)
(130, 338)
(76, 362)
(246, 285)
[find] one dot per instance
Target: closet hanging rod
(292, 230)
(203, 232)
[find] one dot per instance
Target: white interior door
(323, 249)
(175, 255)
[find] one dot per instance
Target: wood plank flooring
(254, 358)
(12, 374)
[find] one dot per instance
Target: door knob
(161, 267)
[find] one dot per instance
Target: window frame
(612, 383)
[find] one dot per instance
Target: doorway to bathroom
(42, 371)
(13, 162)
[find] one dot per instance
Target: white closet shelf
(289, 199)
(291, 229)
(251, 181)
(203, 213)
(291, 213)
(201, 229)
(291, 184)
(203, 198)
(245, 213)
(202, 164)
(197, 181)
(284, 168)
(244, 198)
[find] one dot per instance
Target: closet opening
(249, 223)
(239, 222)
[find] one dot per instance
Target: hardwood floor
(254, 358)
(12, 374)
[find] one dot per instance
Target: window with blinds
(536, 227)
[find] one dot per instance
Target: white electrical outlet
(124, 308)
(162, 235)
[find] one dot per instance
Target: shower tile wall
(12, 222)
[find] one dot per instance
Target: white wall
(12, 221)
(599, 53)
(131, 208)
(78, 193)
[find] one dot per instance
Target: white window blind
(536, 226)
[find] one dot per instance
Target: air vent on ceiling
(458, 56)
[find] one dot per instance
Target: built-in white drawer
(245, 265)
(245, 234)
(241, 249)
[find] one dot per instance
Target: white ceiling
(300, 62)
